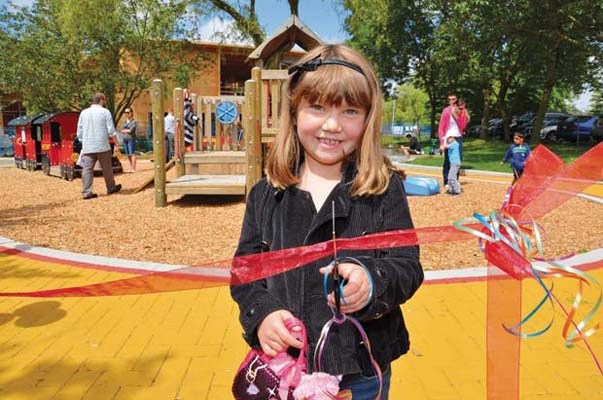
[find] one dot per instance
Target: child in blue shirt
(454, 155)
(517, 152)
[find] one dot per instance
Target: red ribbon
(544, 186)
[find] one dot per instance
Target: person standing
(190, 120)
(461, 115)
(169, 124)
(94, 128)
(326, 157)
(128, 129)
(448, 127)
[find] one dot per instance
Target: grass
(484, 155)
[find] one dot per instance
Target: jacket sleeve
(254, 300)
(109, 123)
(443, 127)
(396, 272)
(508, 154)
(462, 121)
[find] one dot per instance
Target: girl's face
(329, 133)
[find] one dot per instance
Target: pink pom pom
(317, 386)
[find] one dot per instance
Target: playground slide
(421, 186)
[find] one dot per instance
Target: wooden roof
(292, 32)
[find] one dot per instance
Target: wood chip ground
(47, 211)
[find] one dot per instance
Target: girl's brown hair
(332, 84)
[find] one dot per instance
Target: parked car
(10, 131)
(495, 127)
(6, 146)
(549, 125)
(523, 123)
(474, 131)
(576, 128)
(597, 133)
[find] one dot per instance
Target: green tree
(243, 14)
(505, 57)
(399, 36)
(58, 52)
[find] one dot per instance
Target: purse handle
(291, 323)
(291, 375)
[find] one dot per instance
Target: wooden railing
(227, 137)
(263, 105)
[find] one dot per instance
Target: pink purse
(256, 380)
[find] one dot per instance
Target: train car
(61, 147)
(27, 141)
(59, 131)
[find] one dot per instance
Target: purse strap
(291, 375)
(291, 323)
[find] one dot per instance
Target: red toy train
(27, 142)
(50, 141)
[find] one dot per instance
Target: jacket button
(251, 312)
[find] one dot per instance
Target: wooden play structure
(216, 163)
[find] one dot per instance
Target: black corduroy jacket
(273, 221)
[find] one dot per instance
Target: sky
(321, 16)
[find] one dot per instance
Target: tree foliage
(505, 56)
(58, 52)
(409, 104)
(243, 14)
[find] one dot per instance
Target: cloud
(220, 30)
(20, 3)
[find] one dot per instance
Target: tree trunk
(486, 115)
(549, 84)
(432, 115)
(501, 106)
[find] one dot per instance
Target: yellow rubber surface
(187, 345)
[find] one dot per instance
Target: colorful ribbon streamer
(510, 245)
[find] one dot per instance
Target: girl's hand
(356, 291)
(273, 334)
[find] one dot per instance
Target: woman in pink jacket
(453, 122)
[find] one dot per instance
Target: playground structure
(216, 164)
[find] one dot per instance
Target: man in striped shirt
(94, 129)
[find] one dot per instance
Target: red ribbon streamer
(537, 192)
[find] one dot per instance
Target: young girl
(328, 151)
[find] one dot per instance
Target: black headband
(313, 64)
